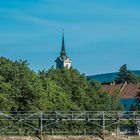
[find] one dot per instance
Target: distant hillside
(108, 77)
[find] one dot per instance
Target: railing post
(117, 129)
(41, 125)
(117, 125)
(103, 124)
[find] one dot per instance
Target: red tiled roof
(124, 91)
(130, 91)
(112, 88)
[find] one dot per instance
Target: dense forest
(22, 89)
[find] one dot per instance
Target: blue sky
(100, 35)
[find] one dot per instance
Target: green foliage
(21, 89)
(126, 75)
(53, 94)
(137, 79)
(81, 93)
(101, 100)
(26, 88)
(71, 83)
(5, 93)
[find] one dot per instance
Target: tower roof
(63, 56)
(63, 50)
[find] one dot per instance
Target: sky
(100, 35)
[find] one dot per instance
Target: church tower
(63, 60)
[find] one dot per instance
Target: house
(125, 92)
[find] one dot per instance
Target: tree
(83, 94)
(6, 102)
(53, 94)
(26, 87)
(72, 83)
(137, 99)
(22, 89)
(101, 100)
(125, 75)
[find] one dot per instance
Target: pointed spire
(63, 51)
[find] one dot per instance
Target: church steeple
(63, 50)
(63, 60)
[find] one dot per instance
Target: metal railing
(66, 122)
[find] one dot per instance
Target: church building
(63, 60)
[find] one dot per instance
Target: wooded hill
(109, 77)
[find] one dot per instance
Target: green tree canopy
(125, 75)
(82, 94)
(22, 89)
(26, 87)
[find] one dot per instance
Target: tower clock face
(68, 60)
